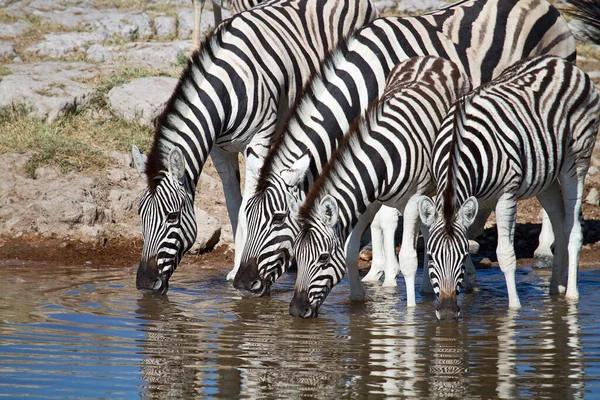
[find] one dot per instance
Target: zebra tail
(588, 12)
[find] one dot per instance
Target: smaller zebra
(530, 132)
(383, 158)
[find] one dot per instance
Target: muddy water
(86, 332)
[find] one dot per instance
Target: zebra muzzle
(300, 306)
(149, 280)
(248, 281)
(447, 307)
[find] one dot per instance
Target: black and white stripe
(385, 157)
(481, 37)
(233, 93)
(529, 133)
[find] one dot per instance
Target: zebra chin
(248, 281)
(447, 308)
(148, 280)
(301, 307)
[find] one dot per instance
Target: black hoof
(543, 262)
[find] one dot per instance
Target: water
(73, 332)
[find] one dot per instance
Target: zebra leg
(228, 168)
(542, 256)
(198, 6)
(506, 216)
(357, 291)
(378, 260)
(572, 196)
(426, 287)
(389, 223)
(552, 201)
(407, 258)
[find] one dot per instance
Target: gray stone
(13, 30)
(593, 198)
(88, 215)
(60, 209)
(122, 159)
(420, 5)
(50, 88)
(385, 5)
(116, 175)
(61, 44)
(209, 232)
(473, 247)
(142, 100)
(17, 60)
(46, 173)
(146, 55)
(7, 49)
(166, 27)
(185, 26)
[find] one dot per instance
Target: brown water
(86, 332)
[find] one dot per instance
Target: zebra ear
(139, 159)
(329, 210)
(254, 162)
(176, 164)
(468, 211)
(427, 211)
(295, 175)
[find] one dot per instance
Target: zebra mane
(306, 95)
(449, 194)
(197, 61)
(360, 123)
(587, 11)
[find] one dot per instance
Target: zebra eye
(323, 258)
(172, 217)
(279, 218)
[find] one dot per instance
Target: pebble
(593, 198)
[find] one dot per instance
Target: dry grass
(77, 141)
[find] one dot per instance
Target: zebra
(530, 132)
(385, 156)
(474, 34)
(233, 92)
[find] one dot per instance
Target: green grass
(105, 84)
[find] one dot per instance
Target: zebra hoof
(544, 261)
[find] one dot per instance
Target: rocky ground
(83, 68)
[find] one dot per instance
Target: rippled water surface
(73, 332)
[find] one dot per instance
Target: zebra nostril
(157, 284)
(307, 312)
(256, 285)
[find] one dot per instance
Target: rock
(593, 171)
(485, 263)
(6, 49)
(50, 88)
(13, 30)
(473, 247)
(185, 19)
(209, 232)
(166, 27)
(121, 203)
(593, 198)
(46, 173)
(385, 5)
(61, 44)
(149, 55)
(88, 216)
(116, 175)
(59, 209)
(122, 159)
(17, 60)
(420, 5)
(142, 100)
(365, 255)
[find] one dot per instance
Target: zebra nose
(248, 281)
(300, 305)
(148, 279)
(447, 308)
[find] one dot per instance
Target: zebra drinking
(530, 132)
(474, 34)
(384, 157)
(232, 93)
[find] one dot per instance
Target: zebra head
(271, 217)
(168, 223)
(320, 257)
(447, 248)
